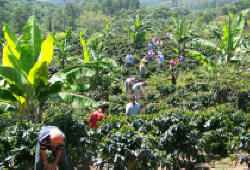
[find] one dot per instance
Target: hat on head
(132, 79)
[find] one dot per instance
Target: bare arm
(58, 155)
(45, 160)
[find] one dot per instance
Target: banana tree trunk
(179, 49)
(237, 99)
(40, 109)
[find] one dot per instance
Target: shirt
(44, 138)
(142, 63)
(172, 63)
(94, 117)
(161, 59)
(137, 90)
(129, 59)
(133, 109)
(150, 46)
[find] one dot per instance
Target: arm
(127, 110)
(45, 160)
(90, 120)
(58, 155)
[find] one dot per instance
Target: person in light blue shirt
(150, 46)
(133, 108)
(160, 57)
(129, 60)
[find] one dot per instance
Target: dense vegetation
(60, 63)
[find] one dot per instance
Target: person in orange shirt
(98, 115)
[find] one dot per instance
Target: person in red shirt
(98, 115)
(172, 63)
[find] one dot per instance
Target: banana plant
(63, 46)
(96, 61)
(181, 33)
(138, 33)
(229, 40)
(25, 69)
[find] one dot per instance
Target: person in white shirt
(139, 90)
(129, 84)
(133, 108)
(129, 60)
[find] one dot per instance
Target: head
(104, 107)
(133, 80)
(132, 99)
(144, 84)
(56, 138)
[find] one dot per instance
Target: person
(51, 138)
(129, 60)
(129, 84)
(150, 46)
(160, 58)
(182, 58)
(151, 55)
(142, 67)
(172, 63)
(98, 115)
(139, 90)
(155, 40)
(133, 108)
(174, 77)
(177, 60)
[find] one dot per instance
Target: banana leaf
(6, 96)
(73, 99)
(5, 108)
(201, 58)
(31, 44)
(85, 49)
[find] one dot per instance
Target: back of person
(150, 46)
(161, 59)
(137, 90)
(46, 130)
(129, 59)
(94, 117)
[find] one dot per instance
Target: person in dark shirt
(51, 138)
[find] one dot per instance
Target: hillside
(61, 2)
(190, 4)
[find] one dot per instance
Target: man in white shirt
(139, 90)
(129, 60)
(133, 108)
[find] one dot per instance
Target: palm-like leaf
(201, 58)
(71, 98)
(31, 44)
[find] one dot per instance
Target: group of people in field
(52, 138)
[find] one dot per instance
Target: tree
(228, 47)
(25, 70)
(19, 16)
(182, 33)
(93, 21)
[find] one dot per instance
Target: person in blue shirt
(150, 46)
(129, 60)
(182, 58)
(161, 60)
(160, 57)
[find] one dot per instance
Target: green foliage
(27, 73)
(148, 139)
(139, 32)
